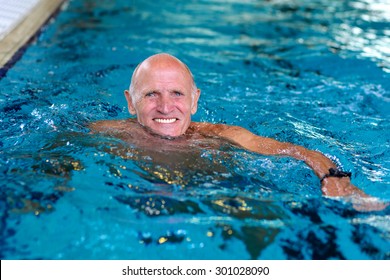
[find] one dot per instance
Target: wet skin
(163, 97)
(171, 159)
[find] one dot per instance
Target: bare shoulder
(209, 129)
(219, 130)
(111, 125)
(241, 136)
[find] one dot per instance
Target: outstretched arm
(320, 164)
(267, 146)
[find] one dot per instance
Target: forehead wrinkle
(159, 81)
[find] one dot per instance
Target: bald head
(155, 62)
(163, 95)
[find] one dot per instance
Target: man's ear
(130, 104)
(194, 106)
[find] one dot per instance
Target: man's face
(163, 99)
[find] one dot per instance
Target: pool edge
(14, 43)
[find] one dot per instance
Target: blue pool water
(315, 73)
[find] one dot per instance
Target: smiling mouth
(165, 120)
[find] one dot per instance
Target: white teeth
(165, 120)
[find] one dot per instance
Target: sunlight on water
(362, 35)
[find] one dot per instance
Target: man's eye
(150, 94)
(178, 93)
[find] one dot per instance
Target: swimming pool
(315, 73)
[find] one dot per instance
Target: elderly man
(163, 96)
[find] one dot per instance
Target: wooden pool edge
(24, 32)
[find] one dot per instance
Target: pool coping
(13, 44)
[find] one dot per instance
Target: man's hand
(342, 187)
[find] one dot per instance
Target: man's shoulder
(109, 125)
(209, 129)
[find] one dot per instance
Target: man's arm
(106, 125)
(320, 164)
(267, 146)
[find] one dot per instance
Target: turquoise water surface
(314, 73)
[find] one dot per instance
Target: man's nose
(165, 104)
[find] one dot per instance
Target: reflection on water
(364, 31)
